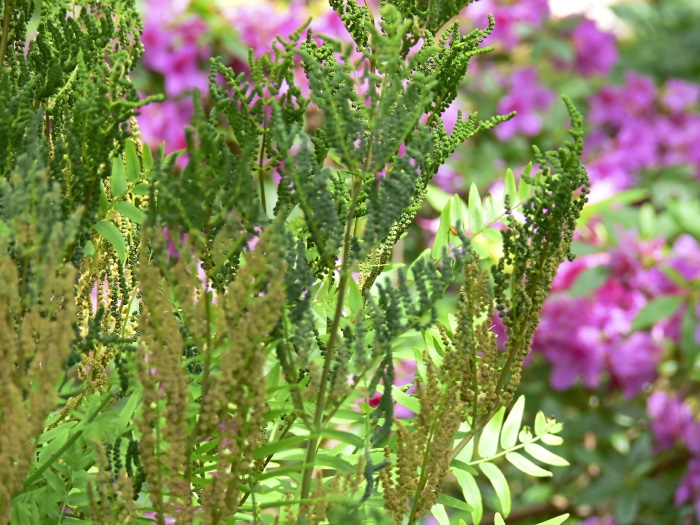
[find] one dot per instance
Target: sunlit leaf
(545, 456)
(488, 440)
(555, 521)
(525, 465)
(472, 495)
(118, 178)
(113, 236)
(500, 484)
(511, 427)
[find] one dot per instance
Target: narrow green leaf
(525, 465)
(472, 495)
(457, 212)
(475, 210)
(549, 439)
(409, 402)
(113, 236)
(509, 434)
(353, 297)
(462, 522)
(655, 310)
(689, 344)
(440, 514)
(130, 211)
(498, 519)
(147, 159)
(345, 437)
(285, 444)
(545, 456)
(455, 503)
(488, 440)
(540, 423)
(455, 463)
(118, 178)
(142, 188)
(127, 412)
(334, 462)
(133, 167)
(443, 233)
(589, 280)
(511, 188)
(437, 197)
(525, 188)
(491, 209)
(500, 484)
(555, 521)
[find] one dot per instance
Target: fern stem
(5, 32)
(342, 286)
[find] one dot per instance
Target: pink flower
(678, 95)
(670, 416)
(596, 51)
(527, 97)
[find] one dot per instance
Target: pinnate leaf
(511, 427)
(488, 441)
(113, 236)
(525, 465)
(545, 456)
(500, 484)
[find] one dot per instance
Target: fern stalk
(342, 287)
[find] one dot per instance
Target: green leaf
(545, 456)
(509, 434)
(130, 211)
(353, 297)
(488, 440)
(455, 503)
(511, 189)
(437, 197)
(440, 514)
(133, 167)
(555, 521)
(142, 188)
(549, 439)
(118, 178)
(455, 463)
(409, 402)
(113, 236)
(285, 444)
(525, 188)
(147, 159)
(345, 437)
(127, 411)
(525, 465)
(498, 519)
(443, 233)
(540, 423)
(589, 280)
(500, 485)
(457, 212)
(470, 490)
(689, 345)
(475, 210)
(655, 310)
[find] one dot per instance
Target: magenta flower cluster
(589, 337)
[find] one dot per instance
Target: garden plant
(244, 325)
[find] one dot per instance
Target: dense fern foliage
(203, 343)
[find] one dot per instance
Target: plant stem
(321, 400)
(5, 32)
